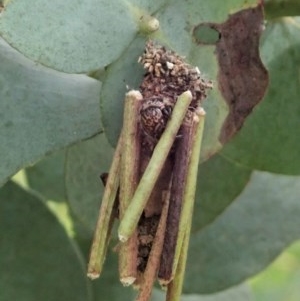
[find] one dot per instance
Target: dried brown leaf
(242, 77)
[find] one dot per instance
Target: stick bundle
(155, 168)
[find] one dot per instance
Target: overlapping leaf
(85, 163)
(282, 8)
(248, 236)
(41, 110)
(240, 293)
(38, 261)
(47, 177)
(71, 36)
(108, 286)
(122, 75)
(219, 183)
(280, 281)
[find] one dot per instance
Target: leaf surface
(47, 177)
(219, 183)
(280, 281)
(70, 36)
(240, 293)
(86, 161)
(247, 237)
(41, 110)
(38, 260)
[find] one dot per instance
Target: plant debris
(167, 76)
(170, 98)
(242, 78)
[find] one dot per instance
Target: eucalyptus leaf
(86, 161)
(280, 281)
(281, 8)
(108, 287)
(38, 261)
(41, 110)
(236, 293)
(72, 36)
(247, 236)
(47, 177)
(122, 75)
(219, 183)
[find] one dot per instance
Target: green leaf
(71, 36)
(47, 177)
(281, 8)
(269, 139)
(123, 74)
(240, 293)
(38, 261)
(219, 183)
(280, 281)
(247, 237)
(86, 161)
(108, 287)
(41, 110)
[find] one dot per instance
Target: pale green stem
(175, 287)
(156, 163)
(148, 24)
(100, 240)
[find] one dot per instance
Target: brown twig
(183, 152)
(175, 287)
(154, 257)
(106, 217)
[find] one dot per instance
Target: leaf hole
(205, 33)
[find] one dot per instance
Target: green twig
(149, 178)
(101, 236)
(175, 287)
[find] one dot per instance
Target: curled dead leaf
(242, 77)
